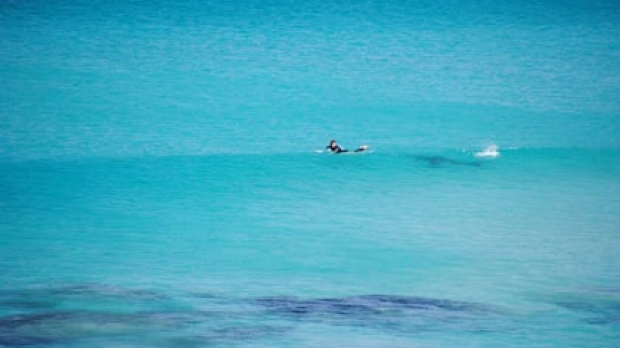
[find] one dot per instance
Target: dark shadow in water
(366, 305)
(148, 328)
(601, 306)
(440, 161)
(597, 313)
(217, 320)
(71, 326)
(399, 314)
(20, 341)
(47, 298)
(20, 320)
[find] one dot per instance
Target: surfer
(335, 148)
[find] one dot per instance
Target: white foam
(489, 151)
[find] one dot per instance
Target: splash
(490, 151)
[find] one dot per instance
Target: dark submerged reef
(65, 315)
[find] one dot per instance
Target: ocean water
(164, 183)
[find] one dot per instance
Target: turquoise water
(163, 181)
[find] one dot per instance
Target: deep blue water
(163, 179)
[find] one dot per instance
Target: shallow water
(270, 250)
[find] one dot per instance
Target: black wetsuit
(336, 149)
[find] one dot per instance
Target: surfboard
(360, 149)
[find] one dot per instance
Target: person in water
(335, 148)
